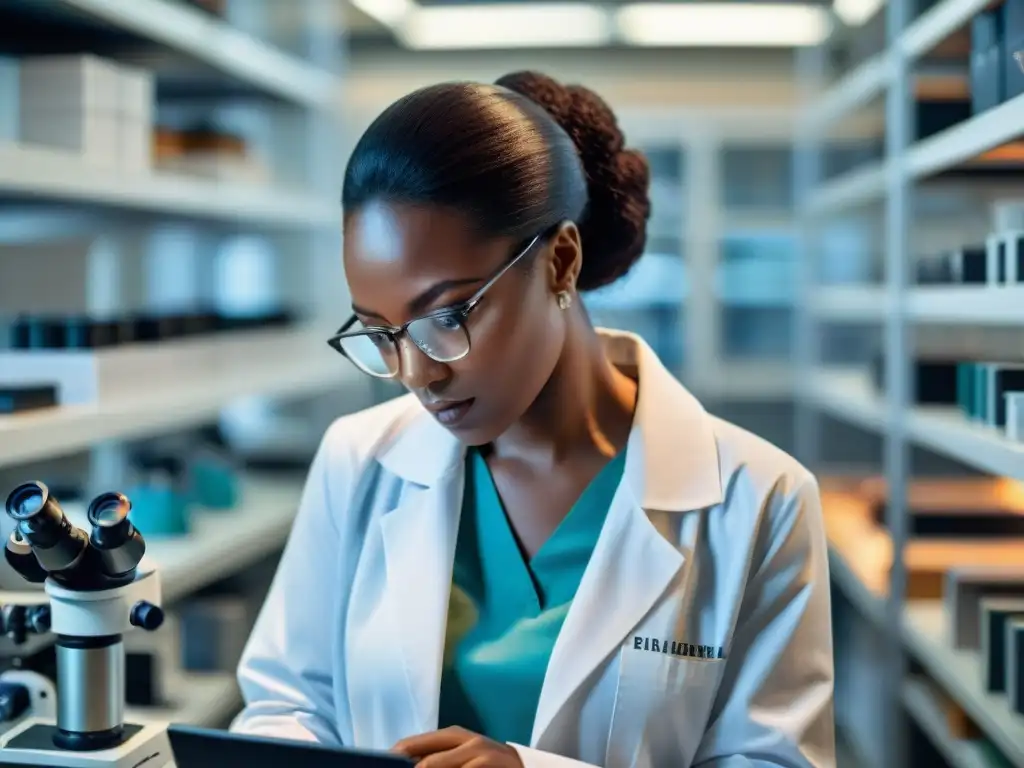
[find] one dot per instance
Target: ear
(566, 258)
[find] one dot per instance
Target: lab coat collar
(672, 454)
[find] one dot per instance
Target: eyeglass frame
(460, 310)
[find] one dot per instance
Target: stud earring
(564, 300)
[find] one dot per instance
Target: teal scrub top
(505, 613)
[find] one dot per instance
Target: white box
(82, 84)
(136, 146)
(93, 135)
(135, 94)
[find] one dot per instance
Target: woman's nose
(418, 370)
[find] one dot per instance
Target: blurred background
(835, 262)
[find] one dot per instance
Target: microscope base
(29, 744)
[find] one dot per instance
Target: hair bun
(614, 227)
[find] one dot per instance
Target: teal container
(159, 512)
(214, 485)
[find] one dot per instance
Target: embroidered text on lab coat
(673, 648)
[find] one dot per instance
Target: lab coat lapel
(672, 467)
(632, 566)
(419, 547)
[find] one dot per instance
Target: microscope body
(98, 589)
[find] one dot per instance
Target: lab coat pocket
(661, 698)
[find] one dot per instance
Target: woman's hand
(457, 748)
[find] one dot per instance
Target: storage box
(93, 135)
(135, 153)
(1015, 665)
(135, 116)
(69, 84)
(996, 613)
(966, 587)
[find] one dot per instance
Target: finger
(458, 757)
(430, 743)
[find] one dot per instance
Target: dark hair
(517, 157)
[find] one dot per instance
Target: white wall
(627, 79)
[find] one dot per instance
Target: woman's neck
(585, 409)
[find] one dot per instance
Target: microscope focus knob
(15, 701)
(146, 616)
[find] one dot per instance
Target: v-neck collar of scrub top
(672, 461)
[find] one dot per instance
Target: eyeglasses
(441, 335)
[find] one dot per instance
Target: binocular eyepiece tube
(105, 558)
(40, 522)
(46, 546)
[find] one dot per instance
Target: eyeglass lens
(441, 337)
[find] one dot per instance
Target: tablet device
(210, 748)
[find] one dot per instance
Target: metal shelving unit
(884, 195)
(282, 235)
(726, 217)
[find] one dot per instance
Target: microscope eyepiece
(109, 510)
(27, 500)
(116, 541)
(56, 543)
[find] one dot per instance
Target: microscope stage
(31, 744)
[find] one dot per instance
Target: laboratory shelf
(858, 87)
(945, 305)
(854, 188)
(926, 633)
(214, 43)
(963, 143)
(848, 395)
(938, 23)
(59, 176)
(848, 303)
(922, 707)
(203, 699)
(221, 543)
(283, 364)
(964, 305)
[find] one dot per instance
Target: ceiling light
(722, 24)
(855, 12)
(387, 12)
(523, 25)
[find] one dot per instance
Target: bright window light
(387, 12)
(523, 25)
(855, 12)
(722, 24)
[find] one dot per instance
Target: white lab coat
(714, 539)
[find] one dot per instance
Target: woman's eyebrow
(423, 302)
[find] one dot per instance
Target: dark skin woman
(548, 555)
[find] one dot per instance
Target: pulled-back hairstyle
(516, 158)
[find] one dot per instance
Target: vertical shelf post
(806, 177)
(899, 131)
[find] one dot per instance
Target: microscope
(96, 589)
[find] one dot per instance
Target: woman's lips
(451, 412)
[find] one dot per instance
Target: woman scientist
(548, 554)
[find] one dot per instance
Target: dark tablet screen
(208, 748)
